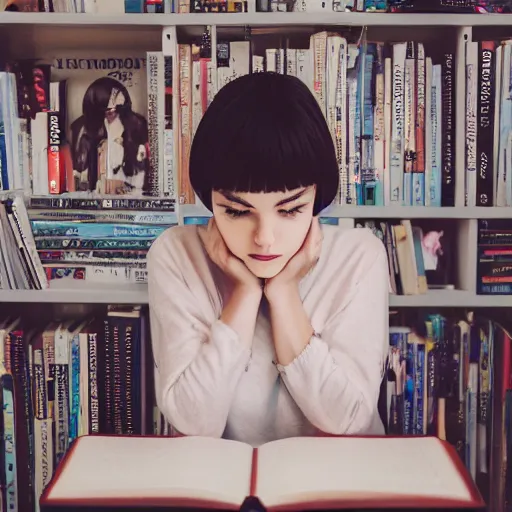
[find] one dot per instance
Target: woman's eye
(232, 212)
(292, 212)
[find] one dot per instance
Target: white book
(437, 139)
(309, 473)
(409, 123)
(497, 106)
(471, 121)
(341, 119)
(388, 98)
(332, 61)
(305, 67)
(291, 61)
(505, 125)
(318, 46)
(428, 128)
(397, 125)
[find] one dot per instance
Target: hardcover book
(303, 473)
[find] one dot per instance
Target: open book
(304, 473)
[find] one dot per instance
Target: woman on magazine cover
(266, 324)
(110, 141)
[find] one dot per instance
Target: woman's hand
(232, 266)
(299, 265)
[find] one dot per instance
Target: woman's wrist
(243, 290)
(276, 291)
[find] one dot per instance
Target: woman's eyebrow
(236, 199)
(291, 198)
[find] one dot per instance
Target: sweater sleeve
(336, 379)
(198, 359)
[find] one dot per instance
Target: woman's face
(117, 99)
(264, 229)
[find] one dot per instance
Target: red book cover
(303, 473)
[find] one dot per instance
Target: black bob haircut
(264, 132)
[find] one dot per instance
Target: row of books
(421, 255)
(62, 379)
(96, 240)
(79, 124)
(20, 265)
(106, 245)
(448, 376)
(390, 108)
(451, 376)
(494, 267)
(107, 241)
(123, 124)
(488, 123)
(184, 6)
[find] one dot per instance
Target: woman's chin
(265, 270)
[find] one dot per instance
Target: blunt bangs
(264, 132)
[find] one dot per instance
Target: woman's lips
(264, 257)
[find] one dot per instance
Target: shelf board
(451, 298)
(259, 19)
(81, 293)
(96, 293)
(389, 212)
(418, 212)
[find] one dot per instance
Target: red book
(303, 473)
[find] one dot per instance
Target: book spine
(448, 129)
(485, 135)
(93, 384)
(367, 135)
(100, 244)
(379, 131)
(186, 194)
(74, 387)
(351, 127)
(409, 123)
(169, 128)
(358, 126)
(418, 184)
(54, 145)
(154, 125)
(107, 424)
(435, 182)
(75, 203)
(397, 125)
(409, 391)
(341, 120)
(9, 445)
(94, 230)
(102, 216)
(106, 273)
(419, 383)
(118, 403)
(471, 122)
(61, 398)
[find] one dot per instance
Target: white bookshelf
(36, 34)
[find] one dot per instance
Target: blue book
(201, 220)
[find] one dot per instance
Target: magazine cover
(106, 121)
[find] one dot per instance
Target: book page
(303, 469)
(156, 467)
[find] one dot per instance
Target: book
(298, 473)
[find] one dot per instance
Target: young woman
(265, 324)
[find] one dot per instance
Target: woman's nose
(264, 236)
